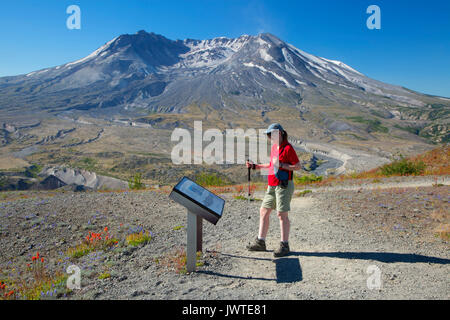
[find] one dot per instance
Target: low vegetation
(104, 275)
(136, 183)
(33, 171)
(88, 164)
(306, 179)
(403, 167)
(372, 125)
(241, 192)
(412, 130)
(176, 260)
(433, 162)
(33, 282)
(93, 242)
(302, 193)
(136, 239)
(36, 282)
(209, 179)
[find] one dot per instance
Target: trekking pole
(249, 169)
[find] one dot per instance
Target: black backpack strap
(281, 151)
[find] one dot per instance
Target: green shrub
(209, 179)
(372, 125)
(403, 167)
(104, 275)
(33, 170)
(408, 129)
(136, 183)
(307, 179)
(3, 181)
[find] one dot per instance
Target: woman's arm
(291, 167)
(262, 166)
(258, 166)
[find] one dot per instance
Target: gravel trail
(340, 239)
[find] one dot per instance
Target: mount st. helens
(146, 72)
(248, 81)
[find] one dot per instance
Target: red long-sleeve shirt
(288, 155)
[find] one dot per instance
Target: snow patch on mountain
(93, 54)
(317, 75)
(210, 53)
(280, 78)
(343, 65)
(37, 72)
(265, 55)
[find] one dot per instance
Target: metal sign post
(199, 234)
(194, 239)
(191, 241)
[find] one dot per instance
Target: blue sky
(411, 49)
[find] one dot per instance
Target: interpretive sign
(200, 204)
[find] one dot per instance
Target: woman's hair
(284, 135)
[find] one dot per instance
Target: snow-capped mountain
(146, 72)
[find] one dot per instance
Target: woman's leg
(264, 215)
(284, 196)
(260, 242)
(284, 225)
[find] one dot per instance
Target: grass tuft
(104, 275)
(136, 183)
(136, 239)
(302, 193)
(176, 261)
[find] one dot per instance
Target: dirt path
(418, 182)
(331, 260)
(333, 263)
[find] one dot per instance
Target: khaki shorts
(278, 198)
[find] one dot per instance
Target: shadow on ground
(288, 269)
(387, 257)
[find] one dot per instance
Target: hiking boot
(258, 245)
(282, 251)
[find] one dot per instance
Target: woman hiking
(283, 161)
